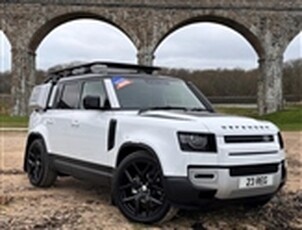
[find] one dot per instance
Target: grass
(290, 119)
(13, 121)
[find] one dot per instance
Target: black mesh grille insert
(249, 139)
(253, 169)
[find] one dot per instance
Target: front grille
(253, 169)
(249, 139)
(252, 153)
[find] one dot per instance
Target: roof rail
(99, 67)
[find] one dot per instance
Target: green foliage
(220, 82)
(239, 82)
(292, 78)
(246, 112)
(6, 77)
(4, 104)
(13, 121)
(289, 119)
(5, 82)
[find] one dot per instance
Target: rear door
(59, 120)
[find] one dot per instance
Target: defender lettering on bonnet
(156, 140)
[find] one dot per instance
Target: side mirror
(92, 102)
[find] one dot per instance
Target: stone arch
(51, 24)
(291, 40)
(290, 32)
(292, 60)
(230, 23)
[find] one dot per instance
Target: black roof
(99, 68)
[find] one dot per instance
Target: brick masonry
(269, 26)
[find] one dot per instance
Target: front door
(89, 127)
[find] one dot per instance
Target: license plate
(256, 181)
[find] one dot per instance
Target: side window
(94, 88)
(69, 96)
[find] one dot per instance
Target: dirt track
(72, 204)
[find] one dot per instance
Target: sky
(197, 46)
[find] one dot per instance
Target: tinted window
(95, 89)
(70, 96)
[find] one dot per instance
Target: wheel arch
(130, 147)
(31, 137)
(165, 211)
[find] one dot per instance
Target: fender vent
(111, 134)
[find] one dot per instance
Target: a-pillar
(23, 80)
(270, 93)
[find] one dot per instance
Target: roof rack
(100, 67)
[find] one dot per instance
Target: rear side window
(69, 96)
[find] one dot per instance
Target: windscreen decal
(120, 82)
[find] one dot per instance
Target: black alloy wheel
(34, 164)
(38, 166)
(138, 189)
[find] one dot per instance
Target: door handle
(75, 123)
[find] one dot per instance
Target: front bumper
(208, 184)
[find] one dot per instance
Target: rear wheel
(138, 190)
(39, 170)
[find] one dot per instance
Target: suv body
(113, 123)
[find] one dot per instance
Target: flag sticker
(120, 82)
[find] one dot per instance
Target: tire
(138, 190)
(39, 170)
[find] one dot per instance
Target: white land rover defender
(155, 139)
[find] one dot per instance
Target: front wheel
(138, 190)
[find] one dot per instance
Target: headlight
(197, 142)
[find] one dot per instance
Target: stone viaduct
(269, 26)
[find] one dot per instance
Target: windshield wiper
(198, 109)
(162, 108)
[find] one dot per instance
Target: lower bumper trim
(182, 193)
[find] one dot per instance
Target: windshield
(144, 93)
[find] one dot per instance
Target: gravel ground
(72, 204)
